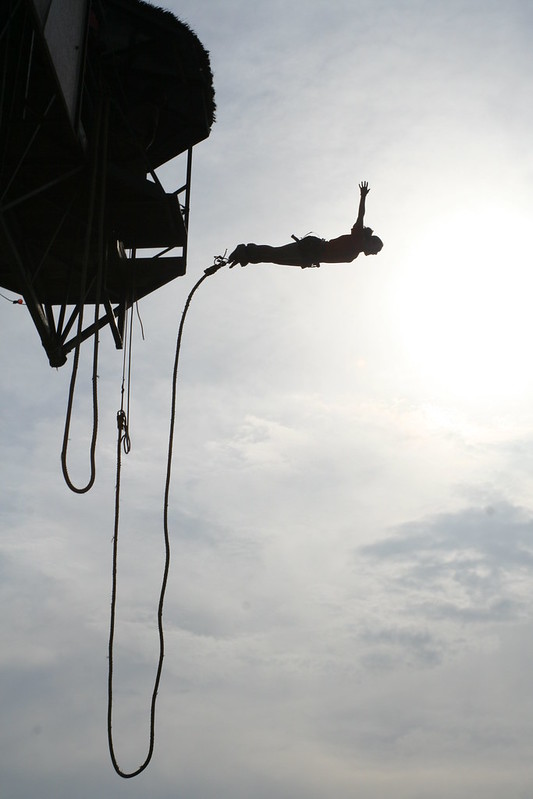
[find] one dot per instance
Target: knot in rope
(123, 432)
(218, 262)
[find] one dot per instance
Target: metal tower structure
(95, 95)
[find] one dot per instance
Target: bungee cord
(123, 445)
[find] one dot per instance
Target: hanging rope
(96, 201)
(121, 438)
(94, 435)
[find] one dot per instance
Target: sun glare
(463, 305)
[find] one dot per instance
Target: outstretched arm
(363, 188)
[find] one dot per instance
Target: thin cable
(140, 320)
(13, 302)
(130, 351)
(219, 262)
(125, 389)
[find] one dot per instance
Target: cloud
(386, 645)
(469, 567)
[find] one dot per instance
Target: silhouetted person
(312, 251)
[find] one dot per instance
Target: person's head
(371, 244)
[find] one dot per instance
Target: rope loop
(94, 236)
(124, 435)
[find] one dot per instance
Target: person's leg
(288, 255)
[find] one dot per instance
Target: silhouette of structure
(311, 250)
(94, 96)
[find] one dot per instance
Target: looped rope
(94, 436)
(122, 437)
(122, 424)
(96, 206)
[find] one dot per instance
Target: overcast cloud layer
(350, 600)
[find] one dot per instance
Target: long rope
(96, 198)
(121, 438)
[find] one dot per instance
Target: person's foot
(238, 256)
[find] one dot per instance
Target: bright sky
(350, 600)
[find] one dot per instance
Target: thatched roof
(154, 60)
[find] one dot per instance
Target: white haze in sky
(350, 601)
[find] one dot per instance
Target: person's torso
(341, 250)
